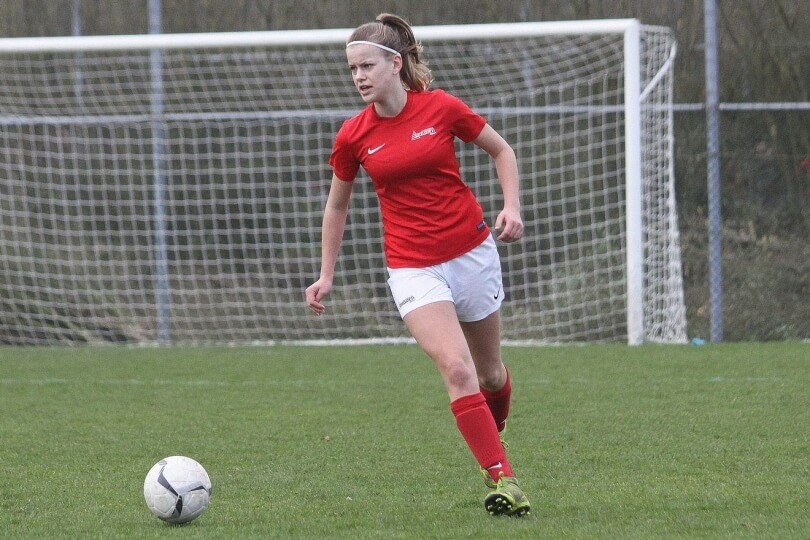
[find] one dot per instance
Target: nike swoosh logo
(496, 466)
(497, 294)
(372, 150)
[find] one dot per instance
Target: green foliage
(342, 442)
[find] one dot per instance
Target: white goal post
(169, 188)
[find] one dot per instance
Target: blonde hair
(394, 32)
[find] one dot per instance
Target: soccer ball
(177, 489)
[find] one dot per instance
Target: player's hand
(509, 225)
(317, 292)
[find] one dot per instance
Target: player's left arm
(509, 224)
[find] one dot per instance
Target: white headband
(383, 47)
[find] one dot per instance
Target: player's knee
(458, 373)
(492, 379)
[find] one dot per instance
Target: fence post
(159, 176)
(713, 172)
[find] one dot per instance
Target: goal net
(170, 188)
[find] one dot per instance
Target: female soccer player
(443, 265)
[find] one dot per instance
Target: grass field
(359, 442)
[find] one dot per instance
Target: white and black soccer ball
(177, 489)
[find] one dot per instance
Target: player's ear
(397, 60)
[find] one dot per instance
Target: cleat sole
(498, 505)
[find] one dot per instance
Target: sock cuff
(466, 403)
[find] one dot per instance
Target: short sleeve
(343, 160)
(466, 124)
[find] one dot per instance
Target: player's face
(374, 72)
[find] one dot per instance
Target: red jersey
(429, 214)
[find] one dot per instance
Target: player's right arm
(334, 223)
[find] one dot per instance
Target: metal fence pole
(76, 29)
(713, 173)
(159, 176)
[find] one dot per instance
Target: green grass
(359, 442)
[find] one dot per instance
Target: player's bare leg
(484, 340)
(437, 330)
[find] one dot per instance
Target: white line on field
(129, 382)
(212, 383)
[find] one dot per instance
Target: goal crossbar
(212, 40)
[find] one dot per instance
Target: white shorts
(471, 281)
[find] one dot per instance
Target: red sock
(498, 402)
(476, 425)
